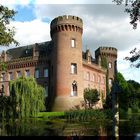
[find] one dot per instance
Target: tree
(134, 94)
(27, 97)
(132, 8)
(123, 96)
(91, 97)
(6, 33)
(135, 58)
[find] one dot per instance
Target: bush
(89, 114)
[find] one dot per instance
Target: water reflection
(60, 127)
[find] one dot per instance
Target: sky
(105, 24)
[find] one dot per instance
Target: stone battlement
(66, 20)
(108, 48)
(66, 23)
(106, 51)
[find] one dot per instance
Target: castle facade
(61, 66)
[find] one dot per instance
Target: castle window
(45, 72)
(103, 80)
(18, 74)
(27, 73)
(110, 65)
(11, 76)
(46, 93)
(73, 43)
(74, 89)
(3, 77)
(88, 76)
(110, 81)
(93, 77)
(73, 68)
(99, 79)
(37, 73)
(52, 71)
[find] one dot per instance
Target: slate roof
(27, 51)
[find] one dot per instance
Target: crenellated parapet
(66, 23)
(106, 51)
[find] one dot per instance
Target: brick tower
(110, 54)
(66, 34)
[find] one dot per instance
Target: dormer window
(26, 51)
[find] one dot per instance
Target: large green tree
(134, 94)
(27, 97)
(6, 33)
(123, 96)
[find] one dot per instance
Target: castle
(60, 65)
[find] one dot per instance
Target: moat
(61, 127)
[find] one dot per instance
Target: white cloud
(73, 1)
(103, 24)
(56, 1)
(31, 32)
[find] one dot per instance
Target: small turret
(110, 54)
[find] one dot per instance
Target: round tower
(66, 33)
(110, 54)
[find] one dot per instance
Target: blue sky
(25, 13)
(104, 25)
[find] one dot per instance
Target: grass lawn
(50, 114)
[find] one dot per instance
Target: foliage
(134, 94)
(27, 97)
(104, 63)
(132, 8)
(6, 33)
(91, 96)
(3, 66)
(130, 94)
(123, 96)
(122, 82)
(108, 102)
(135, 58)
(5, 107)
(90, 114)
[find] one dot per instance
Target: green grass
(50, 114)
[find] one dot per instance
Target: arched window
(74, 88)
